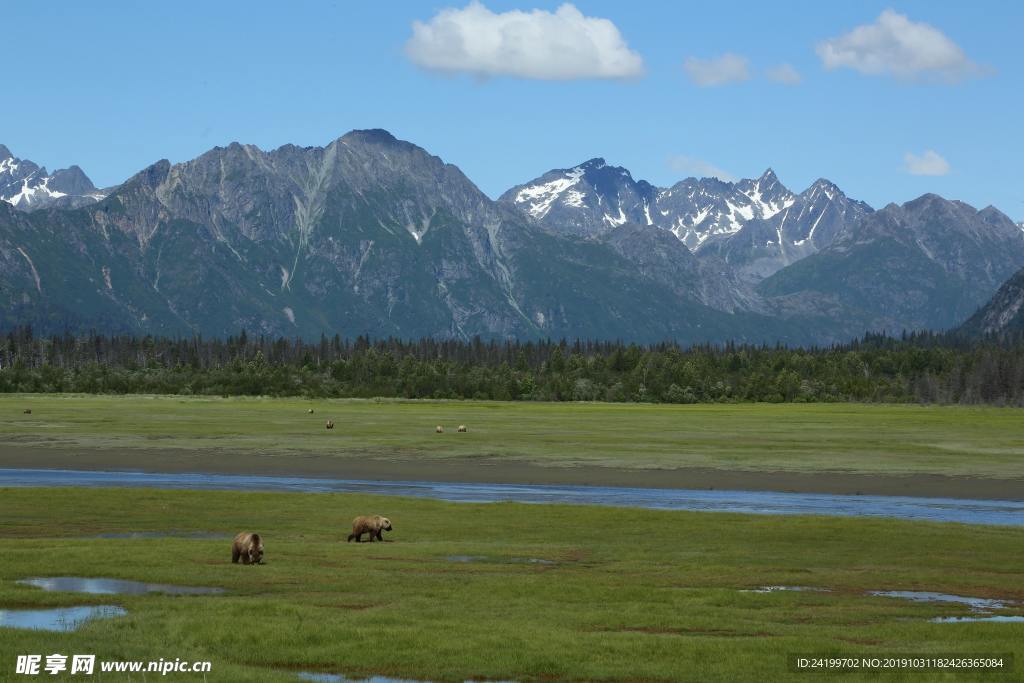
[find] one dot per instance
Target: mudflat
(906, 450)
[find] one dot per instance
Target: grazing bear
(247, 547)
(330, 424)
(27, 411)
(310, 411)
(369, 524)
(439, 429)
(462, 428)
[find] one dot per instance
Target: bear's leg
(235, 554)
(350, 537)
(379, 537)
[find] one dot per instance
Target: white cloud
(698, 168)
(784, 74)
(537, 44)
(729, 68)
(896, 46)
(929, 163)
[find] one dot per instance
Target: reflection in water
(754, 502)
(78, 584)
(977, 604)
(59, 619)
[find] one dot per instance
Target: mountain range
(373, 235)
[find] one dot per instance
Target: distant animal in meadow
(330, 424)
(27, 411)
(462, 428)
(369, 524)
(310, 411)
(439, 429)
(248, 548)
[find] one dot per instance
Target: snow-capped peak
(541, 196)
(26, 185)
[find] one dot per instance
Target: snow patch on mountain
(26, 185)
(541, 197)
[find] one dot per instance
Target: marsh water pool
(62, 619)
(967, 511)
(100, 586)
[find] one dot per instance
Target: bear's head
(255, 550)
(385, 524)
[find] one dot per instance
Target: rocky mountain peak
(377, 136)
(27, 186)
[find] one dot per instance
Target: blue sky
(114, 86)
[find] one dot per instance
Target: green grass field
(875, 439)
(633, 595)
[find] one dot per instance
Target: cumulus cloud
(929, 163)
(784, 74)
(699, 168)
(536, 44)
(728, 68)
(896, 46)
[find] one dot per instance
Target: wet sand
(466, 470)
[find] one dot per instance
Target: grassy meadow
(631, 595)
(852, 438)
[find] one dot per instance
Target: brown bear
(439, 429)
(330, 424)
(462, 429)
(369, 524)
(247, 547)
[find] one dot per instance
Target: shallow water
(752, 502)
(202, 535)
(777, 589)
(977, 604)
(78, 584)
(465, 558)
(338, 678)
(994, 618)
(498, 560)
(59, 619)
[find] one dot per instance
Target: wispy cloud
(536, 44)
(727, 68)
(691, 166)
(928, 163)
(896, 46)
(785, 74)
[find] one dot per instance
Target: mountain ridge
(367, 235)
(370, 234)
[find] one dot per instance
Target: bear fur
(369, 524)
(248, 548)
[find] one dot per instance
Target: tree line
(923, 368)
